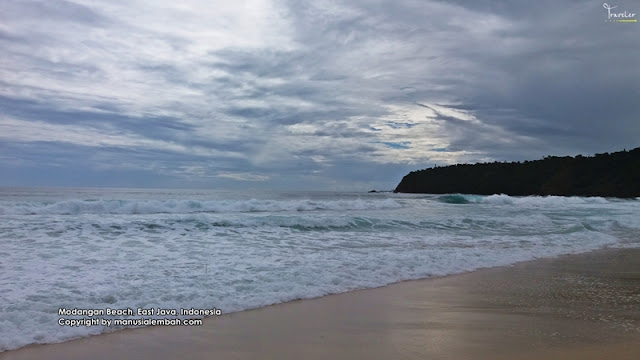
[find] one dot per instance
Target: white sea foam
(502, 199)
(542, 200)
(237, 254)
(76, 207)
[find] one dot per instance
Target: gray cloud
(332, 94)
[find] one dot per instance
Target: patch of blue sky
(396, 145)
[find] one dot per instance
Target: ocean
(65, 251)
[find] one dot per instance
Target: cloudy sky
(335, 95)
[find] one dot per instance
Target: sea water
(75, 250)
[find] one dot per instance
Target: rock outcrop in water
(609, 175)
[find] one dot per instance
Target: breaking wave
(502, 199)
(76, 207)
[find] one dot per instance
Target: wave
(77, 207)
(455, 199)
(310, 222)
(502, 199)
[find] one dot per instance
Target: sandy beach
(584, 306)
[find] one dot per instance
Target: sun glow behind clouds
(421, 133)
(410, 133)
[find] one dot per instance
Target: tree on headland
(611, 175)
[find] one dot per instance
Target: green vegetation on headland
(609, 175)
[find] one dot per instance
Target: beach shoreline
(570, 306)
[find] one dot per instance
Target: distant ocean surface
(172, 249)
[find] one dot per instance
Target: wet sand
(583, 306)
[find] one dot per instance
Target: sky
(307, 95)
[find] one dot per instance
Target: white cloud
(243, 176)
(141, 58)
